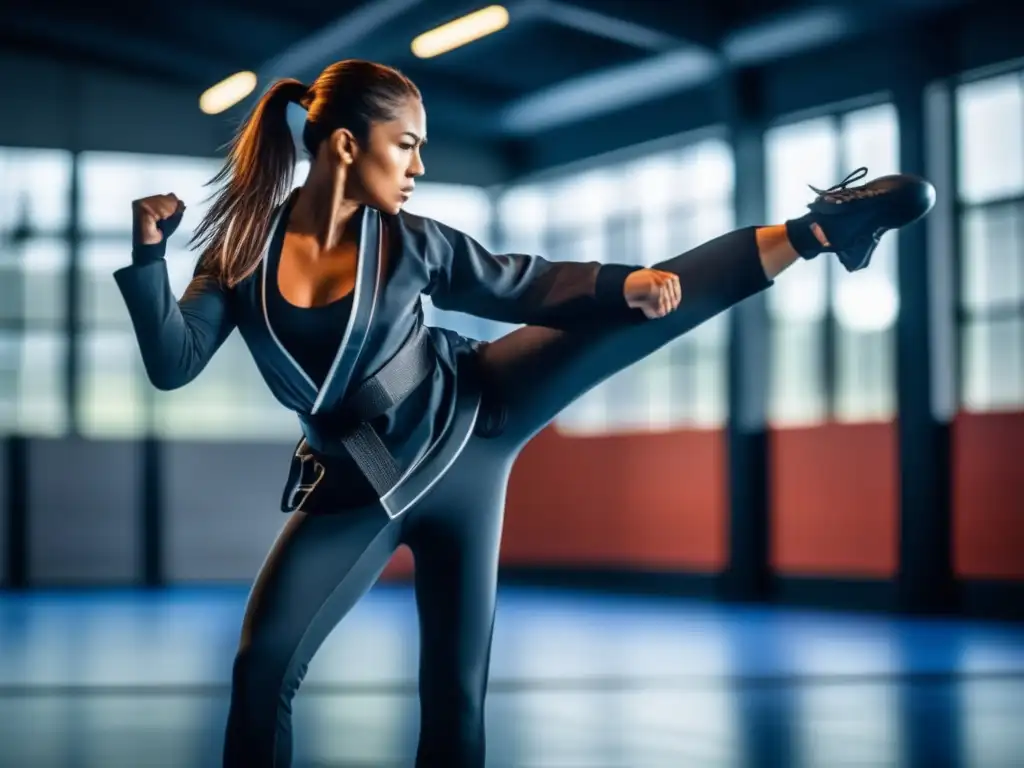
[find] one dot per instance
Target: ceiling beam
(335, 40)
(598, 24)
(607, 90)
(691, 64)
(678, 62)
(622, 86)
(788, 34)
(693, 23)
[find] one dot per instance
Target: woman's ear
(345, 146)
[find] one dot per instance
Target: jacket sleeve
(519, 288)
(177, 337)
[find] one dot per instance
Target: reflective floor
(139, 679)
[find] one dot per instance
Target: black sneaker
(854, 219)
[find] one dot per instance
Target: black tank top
(311, 335)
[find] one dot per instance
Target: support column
(73, 291)
(16, 508)
(747, 576)
(926, 332)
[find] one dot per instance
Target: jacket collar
(368, 285)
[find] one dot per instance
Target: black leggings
(321, 565)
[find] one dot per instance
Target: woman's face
(383, 172)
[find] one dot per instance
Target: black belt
(413, 363)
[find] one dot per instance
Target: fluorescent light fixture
(461, 31)
(227, 92)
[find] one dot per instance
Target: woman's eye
(407, 147)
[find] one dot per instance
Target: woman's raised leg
(535, 372)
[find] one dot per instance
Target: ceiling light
(227, 92)
(460, 32)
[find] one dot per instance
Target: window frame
(828, 327)
(684, 363)
(21, 327)
(967, 318)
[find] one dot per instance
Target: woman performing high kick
(409, 432)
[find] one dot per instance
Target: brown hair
(257, 175)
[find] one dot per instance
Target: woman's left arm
(519, 288)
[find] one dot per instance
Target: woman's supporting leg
(316, 571)
(455, 531)
(454, 534)
(536, 372)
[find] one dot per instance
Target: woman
(410, 433)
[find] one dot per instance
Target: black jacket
(400, 258)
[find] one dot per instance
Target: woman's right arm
(177, 337)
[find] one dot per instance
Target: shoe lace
(840, 191)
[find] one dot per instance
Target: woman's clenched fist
(149, 212)
(655, 292)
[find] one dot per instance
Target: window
(576, 230)
(111, 180)
(833, 332)
(866, 303)
(520, 216)
(112, 385)
(991, 209)
(114, 396)
(467, 209)
(699, 388)
(640, 212)
(35, 194)
(522, 219)
(685, 199)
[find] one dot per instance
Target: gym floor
(578, 680)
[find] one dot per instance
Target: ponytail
(256, 177)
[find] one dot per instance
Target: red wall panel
(834, 500)
(988, 495)
(659, 501)
(641, 501)
(645, 501)
(401, 566)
